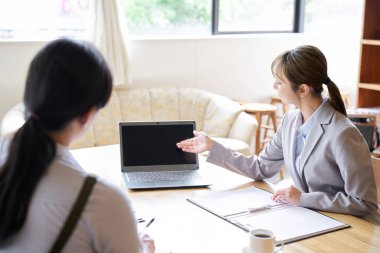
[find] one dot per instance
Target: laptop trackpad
(181, 183)
(174, 183)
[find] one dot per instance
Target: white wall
(235, 66)
(14, 61)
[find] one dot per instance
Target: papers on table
(252, 208)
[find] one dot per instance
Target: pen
(149, 223)
(146, 226)
(260, 208)
(252, 210)
(268, 206)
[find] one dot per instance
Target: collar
(63, 155)
(326, 112)
(305, 128)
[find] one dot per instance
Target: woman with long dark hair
(324, 153)
(67, 83)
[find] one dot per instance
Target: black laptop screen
(155, 144)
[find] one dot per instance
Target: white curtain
(107, 30)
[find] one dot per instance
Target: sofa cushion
(164, 103)
(220, 115)
(243, 127)
(135, 104)
(193, 104)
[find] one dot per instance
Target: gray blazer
(336, 171)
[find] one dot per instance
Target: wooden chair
(376, 171)
(259, 110)
(276, 100)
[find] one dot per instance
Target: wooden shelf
(371, 42)
(371, 25)
(369, 75)
(369, 86)
(368, 98)
(370, 64)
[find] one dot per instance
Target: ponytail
(30, 153)
(335, 97)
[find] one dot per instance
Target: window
(334, 17)
(24, 19)
(179, 17)
(254, 16)
(168, 17)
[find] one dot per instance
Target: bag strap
(75, 214)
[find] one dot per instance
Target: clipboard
(289, 223)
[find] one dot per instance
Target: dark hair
(65, 80)
(308, 65)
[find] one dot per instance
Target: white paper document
(252, 208)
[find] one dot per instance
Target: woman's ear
(88, 117)
(304, 90)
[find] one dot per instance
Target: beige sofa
(216, 115)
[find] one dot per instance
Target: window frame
(298, 21)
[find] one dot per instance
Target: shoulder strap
(74, 215)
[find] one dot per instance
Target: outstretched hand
(198, 144)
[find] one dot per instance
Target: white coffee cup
(263, 241)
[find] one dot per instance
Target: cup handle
(278, 248)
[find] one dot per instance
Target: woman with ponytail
(324, 153)
(67, 83)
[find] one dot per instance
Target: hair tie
(327, 81)
(33, 119)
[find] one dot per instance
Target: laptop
(150, 158)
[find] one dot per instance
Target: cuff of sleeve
(215, 152)
(304, 200)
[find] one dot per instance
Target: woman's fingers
(187, 146)
(185, 143)
(288, 195)
(278, 196)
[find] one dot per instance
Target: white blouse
(107, 223)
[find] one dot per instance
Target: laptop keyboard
(162, 176)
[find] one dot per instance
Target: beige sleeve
(114, 223)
